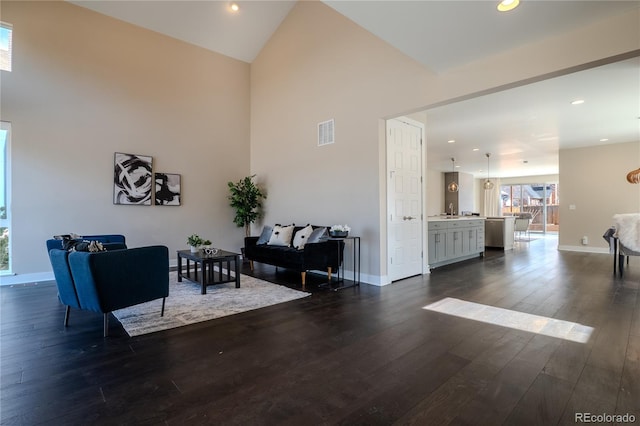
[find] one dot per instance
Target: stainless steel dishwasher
(494, 232)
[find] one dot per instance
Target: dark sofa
(321, 256)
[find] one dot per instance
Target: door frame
(423, 186)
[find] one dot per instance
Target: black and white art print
(167, 189)
(132, 179)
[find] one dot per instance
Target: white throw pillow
(281, 236)
(301, 237)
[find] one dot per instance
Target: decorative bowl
(339, 234)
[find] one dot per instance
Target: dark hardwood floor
(360, 356)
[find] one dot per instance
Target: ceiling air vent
(326, 133)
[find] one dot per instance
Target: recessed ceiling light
(234, 7)
(451, 141)
(577, 102)
(476, 149)
(604, 140)
(507, 5)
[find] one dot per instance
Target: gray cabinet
(437, 246)
(437, 242)
(453, 240)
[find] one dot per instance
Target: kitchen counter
(454, 218)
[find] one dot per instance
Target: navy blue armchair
(66, 287)
(109, 241)
(109, 280)
(60, 264)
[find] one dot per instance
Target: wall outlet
(585, 240)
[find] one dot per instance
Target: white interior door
(404, 199)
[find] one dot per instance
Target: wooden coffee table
(208, 275)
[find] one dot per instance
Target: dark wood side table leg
(237, 262)
(179, 268)
(615, 255)
(203, 277)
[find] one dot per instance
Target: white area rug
(185, 305)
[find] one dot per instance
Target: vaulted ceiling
(528, 124)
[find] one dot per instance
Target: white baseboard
(173, 263)
(584, 249)
(35, 277)
(377, 280)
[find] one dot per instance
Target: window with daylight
(6, 41)
(540, 200)
(5, 197)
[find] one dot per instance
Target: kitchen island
(454, 239)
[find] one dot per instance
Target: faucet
(451, 209)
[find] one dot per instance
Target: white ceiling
(533, 122)
(204, 23)
(529, 123)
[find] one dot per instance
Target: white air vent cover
(326, 133)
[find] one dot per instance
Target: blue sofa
(109, 280)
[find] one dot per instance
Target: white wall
(85, 86)
(307, 74)
(594, 181)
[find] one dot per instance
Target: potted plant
(245, 198)
(339, 231)
(194, 242)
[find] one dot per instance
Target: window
(5, 197)
(541, 200)
(6, 41)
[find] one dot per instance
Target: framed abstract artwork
(132, 179)
(167, 189)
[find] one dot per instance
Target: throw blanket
(628, 230)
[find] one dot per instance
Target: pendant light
(487, 183)
(453, 185)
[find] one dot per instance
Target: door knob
(408, 218)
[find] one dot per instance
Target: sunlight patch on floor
(513, 319)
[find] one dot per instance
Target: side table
(355, 256)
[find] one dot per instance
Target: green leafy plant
(194, 240)
(246, 199)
